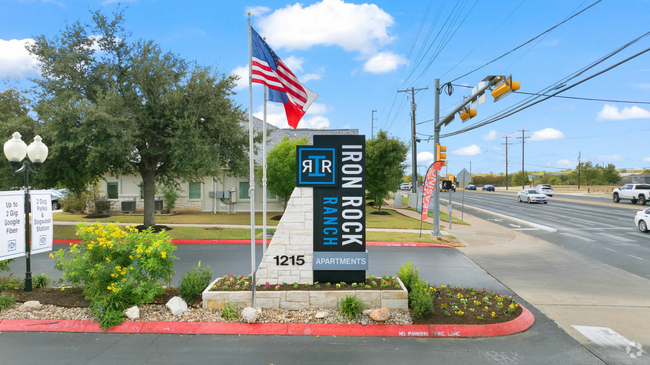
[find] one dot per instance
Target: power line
(532, 39)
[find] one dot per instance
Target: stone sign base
(297, 300)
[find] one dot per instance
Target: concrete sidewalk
(568, 287)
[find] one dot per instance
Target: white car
(532, 196)
(545, 189)
(642, 219)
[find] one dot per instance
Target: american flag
(269, 70)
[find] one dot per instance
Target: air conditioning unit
(128, 206)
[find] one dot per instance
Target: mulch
(74, 298)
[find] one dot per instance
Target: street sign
(42, 226)
(12, 225)
(464, 176)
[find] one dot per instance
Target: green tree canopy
(384, 166)
(122, 107)
(281, 167)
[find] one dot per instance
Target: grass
(68, 233)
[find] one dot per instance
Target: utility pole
(579, 155)
(470, 172)
(506, 137)
(414, 157)
(372, 125)
(523, 142)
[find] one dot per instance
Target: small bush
(73, 202)
(11, 282)
(351, 306)
(229, 312)
(6, 301)
(194, 282)
(409, 274)
(42, 281)
(4, 265)
(420, 298)
(170, 195)
(102, 205)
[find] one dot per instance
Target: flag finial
(249, 13)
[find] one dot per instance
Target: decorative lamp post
(15, 150)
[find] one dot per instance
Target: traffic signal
(504, 87)
(467, 113)
(440, 154)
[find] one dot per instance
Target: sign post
(463, 176)
(335, 166)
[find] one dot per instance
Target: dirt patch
(213, 229)
(380, 213)
(276, 218)
(156, 229)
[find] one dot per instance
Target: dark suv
(488, 188)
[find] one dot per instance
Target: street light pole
(15, 150)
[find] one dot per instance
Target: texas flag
(284, 87)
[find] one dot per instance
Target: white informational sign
(42, 227)
(12, 224)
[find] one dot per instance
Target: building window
(270, 195)
(112, 190)
(243, 190)
(195, 190)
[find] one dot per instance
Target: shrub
(42, 281)
(4, 265)
(409, 274)
(118, 269)
(420, 298)
(11, 282)
(102, 205)
(229, 312)
(170, 195)
(351, 306)
(6, 301)
(73, 202)
(194, 282)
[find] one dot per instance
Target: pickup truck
(634, 192)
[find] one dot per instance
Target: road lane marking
(582, 221)
(636, 257)
(611, 347)
(611, 236)
(607, 248)
(526, 229)
(578, 237)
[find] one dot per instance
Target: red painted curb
(519, 324)
(259, 242)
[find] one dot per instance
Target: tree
(15, 117)
(281, 167)
(122, 107)
(516, 179)
(409, 179)
(384, 168)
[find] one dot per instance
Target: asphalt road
(603, 231)
(543, 343)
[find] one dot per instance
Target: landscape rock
(321, 314)
(249, 314)
(132, 313)
(177, 305)
(367, 311)
(380, 315)
(29, 306)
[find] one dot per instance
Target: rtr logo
(317, 166)
(42, 240)
(11, 245)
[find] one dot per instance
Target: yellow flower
(138, 256)
(163, 254)
(123, 273)
(51, 256)
(109, 287)
(131, 267)
(107, 259)
(131, 257)
(148, 251)
(338, 286)
(123, 279)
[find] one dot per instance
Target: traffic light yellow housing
(440, 154)
(505, 88)
(467, 113)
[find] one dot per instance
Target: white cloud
(610, 112)
(15, 61)
(242, 72)
(491, 135)
(117, 1)
(566, 163)
(306, 77)
(646, 159)
(294, 63)
(610, 158)
(276, 116)
(362, 28)
(493, 148)
(257, 10)
(425, 158)
(384, 62)
(472, 150)
(546, 133)
(640, 86)
(55, 2)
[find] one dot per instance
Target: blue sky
(357, 55)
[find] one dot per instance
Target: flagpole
(251, 158)
(264, 177)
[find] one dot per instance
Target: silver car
(545, 189)
(532, 196)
